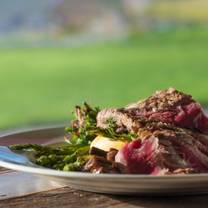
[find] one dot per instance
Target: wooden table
(67, 197)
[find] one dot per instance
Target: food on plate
(164, 134)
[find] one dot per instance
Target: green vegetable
(84, 129)
(57, 158)
(72, 155)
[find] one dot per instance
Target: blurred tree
(135, 12)
(77, 15)
(180, 11)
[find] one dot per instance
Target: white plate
(103, 183)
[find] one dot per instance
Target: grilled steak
(99, 164)
(168, 106)
(104, 163)
(121, 118)
(166, 152)
(171, 133)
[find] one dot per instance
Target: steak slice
(98, 164)
(166, 152)
(172, 106)
(142, 157)
(168, 106)
(104, 163)
(120, 117)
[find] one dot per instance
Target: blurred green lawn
(44, 84)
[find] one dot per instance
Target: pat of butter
(105, 143)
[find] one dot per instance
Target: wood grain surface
(67, 197)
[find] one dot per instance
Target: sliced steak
(142, 157)
(99, 164)
(166, 152)
(120, 117)
(103, 162)
(168, 126)
(168, 106)
(171, 106)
